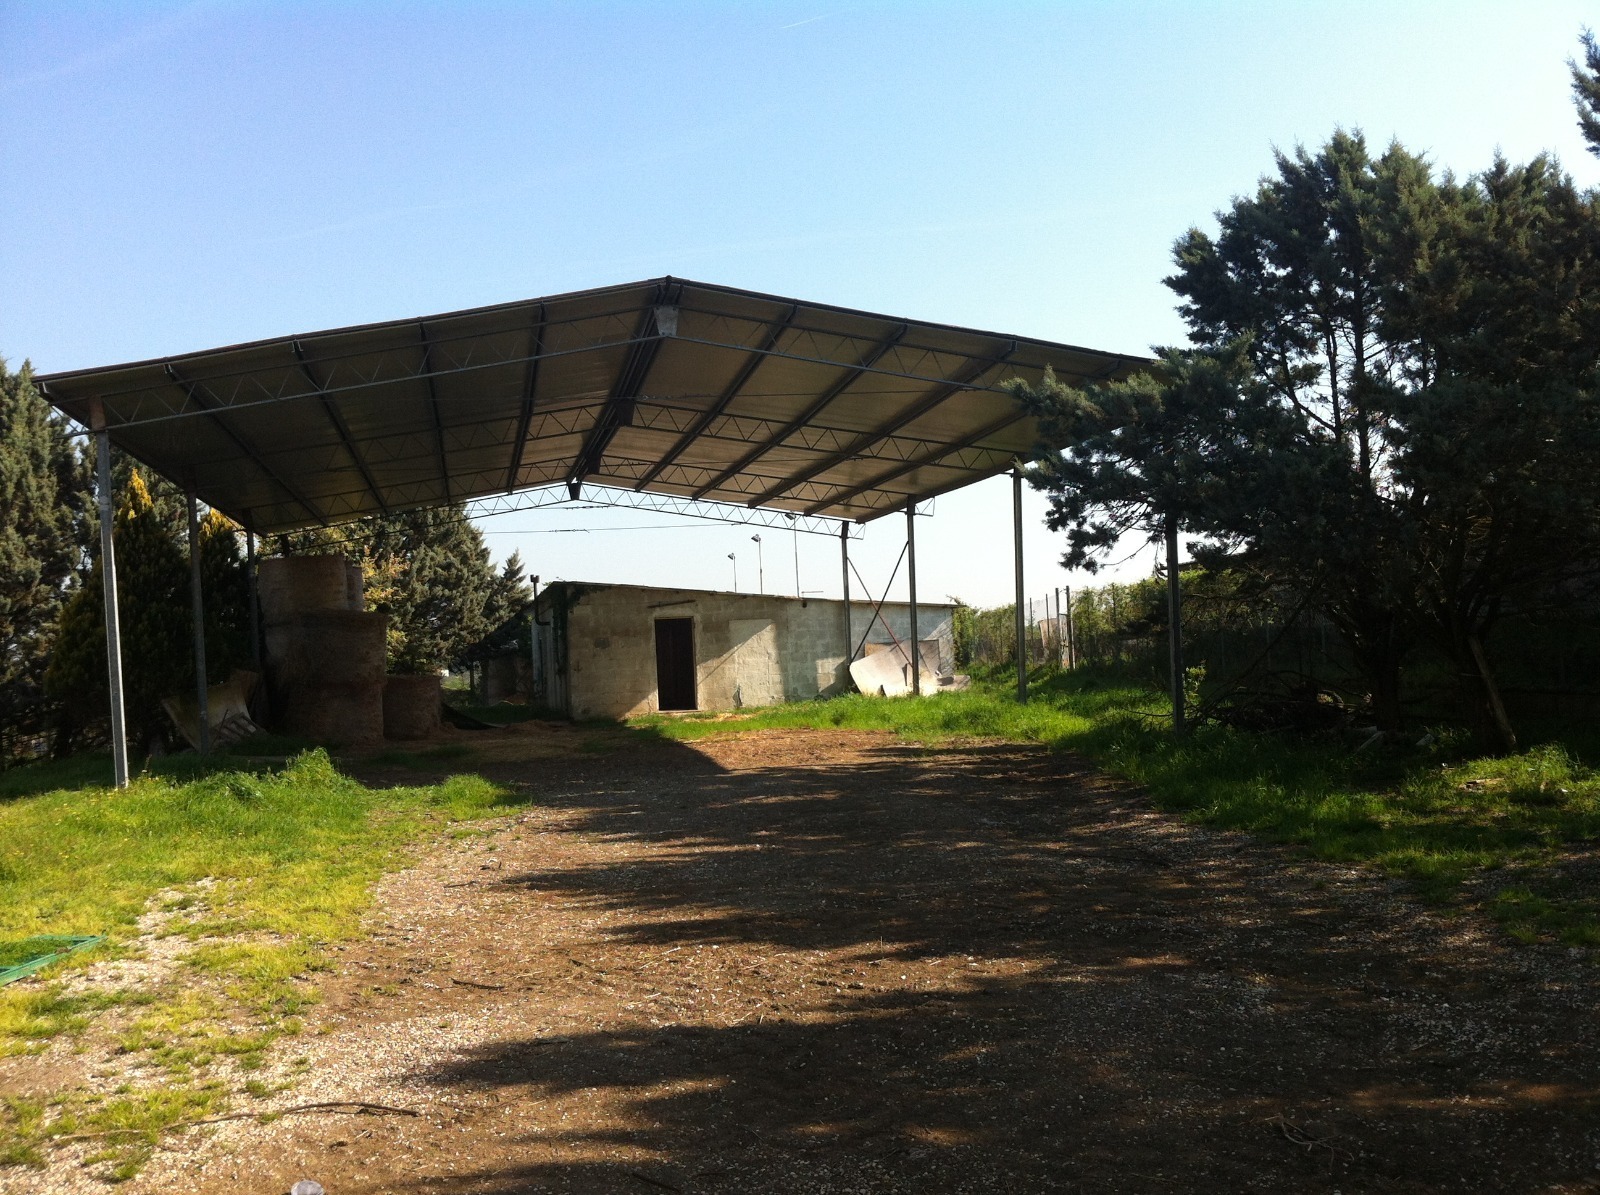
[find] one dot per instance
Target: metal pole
(911, 573)
(255, 597)
(533, 640)
(794, 530)
(199, 615)
(844, 563)
(1072, 634)
(108, 573)
(1022, 630)
(1057, 628)
(1174, 624)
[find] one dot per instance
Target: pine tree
(1586, 91)
(451, 598)
(1417, 441)
(45, 529)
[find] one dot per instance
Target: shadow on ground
(1023, 980)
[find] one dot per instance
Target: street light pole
(761, 568)
(735, 560)
(794, 529)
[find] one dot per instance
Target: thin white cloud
(807, 21)
(110, 51)
(735, 130)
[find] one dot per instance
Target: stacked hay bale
(325, 654)
(411, 706)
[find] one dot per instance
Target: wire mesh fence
(1546, 658)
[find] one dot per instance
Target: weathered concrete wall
(749, 649)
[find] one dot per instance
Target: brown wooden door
(675, 664)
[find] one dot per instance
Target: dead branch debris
(1306, 1138)
(473, 983)
(654, 1182)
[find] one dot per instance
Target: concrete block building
(616, 651)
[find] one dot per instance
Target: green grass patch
(289, 857)
(291, 852)
(1433, 817)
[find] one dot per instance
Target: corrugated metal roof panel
(668, 386)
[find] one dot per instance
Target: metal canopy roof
(667, 386)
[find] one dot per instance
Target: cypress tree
(45, 528)
(225, 587)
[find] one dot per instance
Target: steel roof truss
(799, 421)
(197, 394)
(966, 379)
(619, 408)
(433, 403)
(530, 389)
(339, 425)
(929, 458)
(730, 392)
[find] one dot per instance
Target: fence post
(1072, 636)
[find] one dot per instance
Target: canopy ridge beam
(530, 387)
(618, 410)
(968, 377)
(198, 395)
(340, 426)
(753, 362)
(438, 415)
(874, 355)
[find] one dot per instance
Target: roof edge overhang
(668, 386)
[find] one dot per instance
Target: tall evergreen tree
(46, 504)
(225, 587)
(1586, 91)
(154, 608)
(1414, 437)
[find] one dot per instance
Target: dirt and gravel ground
(819, 961)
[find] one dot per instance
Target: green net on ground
(27, 955)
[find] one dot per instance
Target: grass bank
(1496, 832)
(260, 870)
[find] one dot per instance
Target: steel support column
(1016, 548)
(198, 612)
(844, 562)
(108, 574)
(255, 598)
(911, 574)
(1174, 624)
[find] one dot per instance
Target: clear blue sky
(178, 177)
